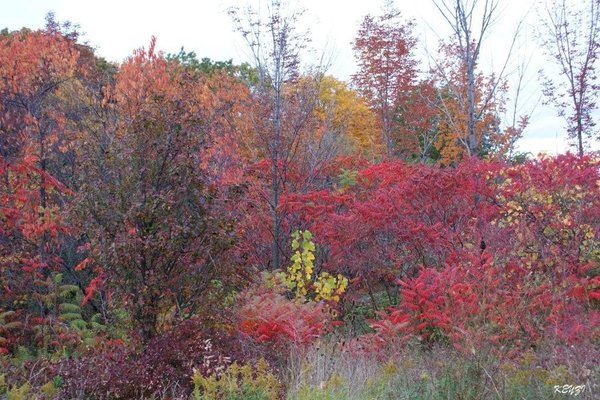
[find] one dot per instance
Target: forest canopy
(178, 227)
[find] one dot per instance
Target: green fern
(6, 326)
(69, 308)
(69, 291)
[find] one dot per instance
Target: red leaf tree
(156, 190)
(386, 68)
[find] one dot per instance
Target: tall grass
(326, 372)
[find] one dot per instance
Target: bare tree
(471, 21)
(275, 44)
(570, 32)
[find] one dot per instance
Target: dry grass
(326, 372)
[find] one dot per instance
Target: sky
(117, 27)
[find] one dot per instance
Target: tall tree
(570, 32)
(35, 161)
(154, 184)
(489, 103)
(282, 112)
(470, 20)
(386, 67)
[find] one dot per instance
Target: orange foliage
(341, 109)
(490, 101)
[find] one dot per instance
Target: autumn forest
(175, 227)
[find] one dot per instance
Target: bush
(165, 365)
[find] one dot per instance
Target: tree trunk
(275, 185)
(275, 258)
(470, 64)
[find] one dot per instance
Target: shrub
(265, 314)
(164, 365)
(237, 383)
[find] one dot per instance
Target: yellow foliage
(238, 382)
(329, 287)
(341, 109)
(49, 390)
(299, 274)
(561, 229)
(18, 393)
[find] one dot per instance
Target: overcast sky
(115, 28)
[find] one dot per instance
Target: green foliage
(49, 390)
(6, 327)
(317, 393)
(238, 383)
(70, 311)
(348, 178)
(15, 393)
(74, 324)
(206, 66)
(520, 157)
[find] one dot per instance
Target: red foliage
(168, 212)
(398, 217)
(268, 316)
(386, 67)
(115, 370)
(158, 191)
(33, 66)
(482, 253)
